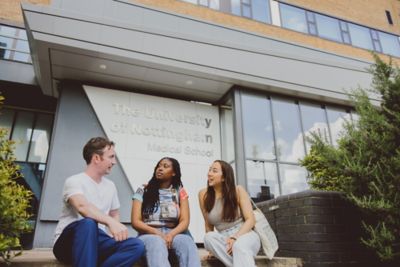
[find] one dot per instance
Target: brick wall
(368, 12)
(322, 228)
(10, 10)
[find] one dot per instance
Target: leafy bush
(366, 163)
(14, 202)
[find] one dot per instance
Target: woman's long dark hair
(151, 196)
(229, 196)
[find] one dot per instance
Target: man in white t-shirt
(89, 233)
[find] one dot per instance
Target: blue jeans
(83, 244)
(157, 252)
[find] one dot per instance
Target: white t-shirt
(103, 195)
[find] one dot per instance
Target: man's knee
(134, 244)
(87, 223)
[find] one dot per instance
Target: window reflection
(6, 120)
(260, 10)
(257, 129)
(328, 27)
(293, 18)
(293, 178)
(337, 118)
(360, 36)
(40, 139)
(262, 180)
(228, 148)
(314, 121)
(22, 134)
(390, 44)
(290, 146)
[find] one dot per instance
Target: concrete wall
(322, 228)
(75, 123)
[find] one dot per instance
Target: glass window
(246, 11)
(228, 148)
(40, 139)
(203, 3)
(390, 44)
(214, 4)
(9, 31)
(257, 127)
(262, 180)
(6, 120)
(261, 10)
(314, 121)
(290, 144)
(235, 7)
(360, 36)
(328, 28)
(293, 18)
(336, 118)
(22, 134)
(293, 178)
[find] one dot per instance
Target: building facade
(242, 80)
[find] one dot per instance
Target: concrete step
(45, 258)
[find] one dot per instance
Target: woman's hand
(168, 239)
(229, 244)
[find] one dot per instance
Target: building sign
(147, 128)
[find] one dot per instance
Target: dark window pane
(22, 134)
(6, 120)
(293, 18)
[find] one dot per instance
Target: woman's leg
(156, 251)
(245, 248)
(186, 251)
(216, 244)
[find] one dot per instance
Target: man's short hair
(95, 145)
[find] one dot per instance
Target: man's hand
(118, 230)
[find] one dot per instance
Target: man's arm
(88, 210)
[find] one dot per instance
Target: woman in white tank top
(227, 208)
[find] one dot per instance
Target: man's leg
(78, 244)
(156, 251)
(122, 254)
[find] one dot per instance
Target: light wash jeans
(244, 249)
(157, 252)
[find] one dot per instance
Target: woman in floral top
(160, 213)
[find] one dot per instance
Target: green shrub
(365, 165)
(14, 202)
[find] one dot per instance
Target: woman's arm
(209, 227)
(137, 221)
(246, 210)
